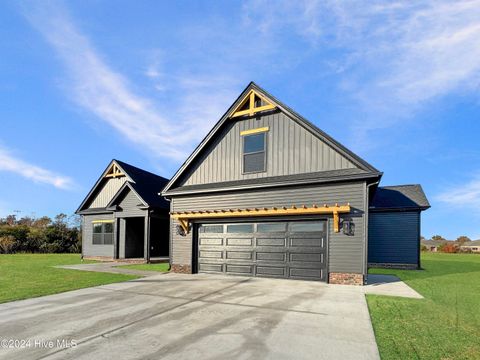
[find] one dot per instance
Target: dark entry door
(288, 249)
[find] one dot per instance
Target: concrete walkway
(389, 285)
(110, 267)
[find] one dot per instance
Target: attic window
(254, 153)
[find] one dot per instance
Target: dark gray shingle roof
(400, 197)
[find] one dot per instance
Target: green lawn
(160, 267)
(444, 325)
(24, 276)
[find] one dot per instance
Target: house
(473, 246)
(123, 217)
(433, 245)
(267, 193)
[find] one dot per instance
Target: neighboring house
(473, 246)
(267, 193)
(123, 217)
(433, 245)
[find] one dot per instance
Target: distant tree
(423, 248)
(11, 220)
(422, 238)
(463, 239)
(438, 238)
(42, 222)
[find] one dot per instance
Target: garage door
(293, 249)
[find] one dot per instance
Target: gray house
(267, 193)
(123, 217)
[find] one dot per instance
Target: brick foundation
(345, 279)
(182, 269)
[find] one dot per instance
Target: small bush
(7, 244)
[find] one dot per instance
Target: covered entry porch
(141, 238)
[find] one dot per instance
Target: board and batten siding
(345, 253)
(394, 237)
(291, 149)
(129, 206)
(107, 192)
(88, 248)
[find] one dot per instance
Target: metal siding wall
(345, 252)
(129, 205)
(111, 187)
(88, 249)
(393, 237)
(291, 149)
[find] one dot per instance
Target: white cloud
(463, 195)
(10, 163)
(392, 57)
(107, 94)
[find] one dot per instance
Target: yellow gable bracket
(248, 106)
(114, 171)
(184, 217)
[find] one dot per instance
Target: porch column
(146, 241)
(116, 238)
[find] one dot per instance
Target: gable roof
(471, 243)
(355, 159)
(145, 184)
(399, 197)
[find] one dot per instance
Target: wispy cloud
(10, 163)
(462, 195)
(391, 57)
(106, 93)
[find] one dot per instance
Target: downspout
(170, 235)
(365, 227)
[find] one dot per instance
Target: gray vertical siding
(394, 237)
(107, 192)
(291, 149)
(129, 205)
(345, 252)
(88, 249)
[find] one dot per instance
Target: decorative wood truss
(184, 217)
(251, 104)
(114, 171)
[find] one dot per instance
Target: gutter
(365, 227)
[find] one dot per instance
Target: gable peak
(253, 102)
(114, 171)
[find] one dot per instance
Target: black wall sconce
(348, 227)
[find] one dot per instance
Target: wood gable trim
(98, 182)
(349, 155)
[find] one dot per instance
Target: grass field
(160, 267)
(444, 325)
(24, 276)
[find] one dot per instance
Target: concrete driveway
(173, 316)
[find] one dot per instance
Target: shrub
(449, 248)
(7, 243)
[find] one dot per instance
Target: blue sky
(87, 81)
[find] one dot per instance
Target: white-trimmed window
(102, 233)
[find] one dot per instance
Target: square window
(240, 228)
(254, 143)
